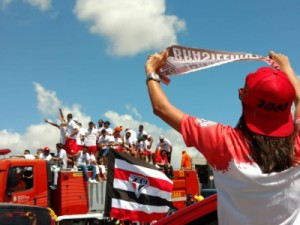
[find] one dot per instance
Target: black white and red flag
(136, 190)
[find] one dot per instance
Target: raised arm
(285, 66)
(160, 104)
(51, 123)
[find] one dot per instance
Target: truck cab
(25, 182)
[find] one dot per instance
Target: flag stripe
(155, 182)
(151, 191)
(137, 216)
(134, 206)
(142, 199)
(149, 172)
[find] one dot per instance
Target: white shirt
(165, 145)
(63, 130)
(128, 142)
(63, 156)
(246, 195)
(141, 145)
(78, 136)
(90, 137)
(72, 125)
(83, 159)
(117, 140)
(109, 131)
(133, 135)
(29, 156)
(45, 157)
(93, 159)
(105, 140)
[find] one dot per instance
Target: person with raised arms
(255, 164)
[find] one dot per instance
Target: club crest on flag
(138, 183)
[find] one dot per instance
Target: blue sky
(87, 56)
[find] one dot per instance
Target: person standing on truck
(71, 134)
(62, 128)
(90, 136)
(59, 162)
(105, 142)
(255, 164)
(185, 161)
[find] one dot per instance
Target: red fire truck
(27, 182)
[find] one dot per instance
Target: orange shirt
(185, 161)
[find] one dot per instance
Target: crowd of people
(87, 147)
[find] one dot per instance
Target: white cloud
(130, 26)
(134, 111)
(41, 4)
(48, 103)
(41, 134)
(4, 3)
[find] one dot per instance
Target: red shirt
(161, 160)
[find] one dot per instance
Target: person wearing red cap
(46, 154)
(255, 164)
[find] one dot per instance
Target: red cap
(46, 149)
(267, 99)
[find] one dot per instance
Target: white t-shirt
(128, 142)
(83, 159)
(45, 157)
(117, 140)
(246, 195)
(90, 137)
(105, 139)
(78, 136)
(72, 125)
(93, 159)
(165, 145)
(141, 145)
(109, 131)
(63, 156)
(63, 130)
(133, 135)
(29, 156)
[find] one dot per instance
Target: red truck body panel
(71, 196)
(193, 213)
(185, 182)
